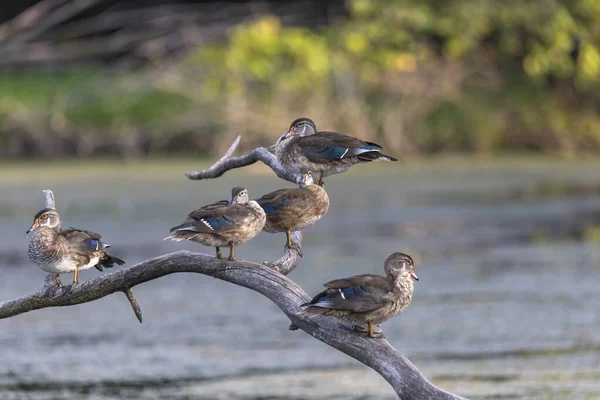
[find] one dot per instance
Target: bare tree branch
(49, 199)
(227, 162)
(291, 256)
(378, 354)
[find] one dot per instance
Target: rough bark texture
(259, 154)
(49, 199)
(378, 354)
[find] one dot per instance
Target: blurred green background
(420, 77)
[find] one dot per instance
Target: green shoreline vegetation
(419, 77)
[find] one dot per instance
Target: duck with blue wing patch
(370, 299)
(327, 153)
(61, 251)
(294, 209)
(223, 223)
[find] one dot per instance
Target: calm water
(506, 306)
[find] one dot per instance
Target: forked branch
(228, 162)
(378, 354)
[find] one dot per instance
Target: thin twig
(291, 256)
(49, 199)
(134, 304)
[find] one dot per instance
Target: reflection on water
(506, 306)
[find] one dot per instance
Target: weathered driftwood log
(378, 354)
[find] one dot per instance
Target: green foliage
(543, 56)
(420, 75)
(120, 109)
(87, 98)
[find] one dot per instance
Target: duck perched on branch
(294, 209)
(327, 153)
(223, 223)
(370, 299)
(62, 251)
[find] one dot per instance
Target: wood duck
(62, 251)
(327, 153)
(368, 298)
(223, 223)
(294, 209)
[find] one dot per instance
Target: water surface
(506, 306)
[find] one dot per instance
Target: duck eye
(44, 216)
(299, 124)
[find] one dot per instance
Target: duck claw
(360, 329)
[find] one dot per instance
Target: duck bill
(34, 226)
(288, 134)
(414, 276)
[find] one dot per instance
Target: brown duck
(370, 299)
(223, 223)
(324, 152)
(294, 209)
(62, 251)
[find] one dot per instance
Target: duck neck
(45, 236)
(281, 149)
(253, 205)
(404, 286)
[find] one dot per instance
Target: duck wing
(217, 217)
(272, 202)
(328, 146)
(86, 245)
(207, 210)
(360, 293)
(82, 241)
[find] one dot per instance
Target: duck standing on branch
(290, 210)
(223, 223)
(327, 153)
(370, 299)
(62, 251)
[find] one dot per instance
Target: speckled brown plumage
(327, 153)
(223, 223)
(60, 251)
(294, 209)
(370, 299)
